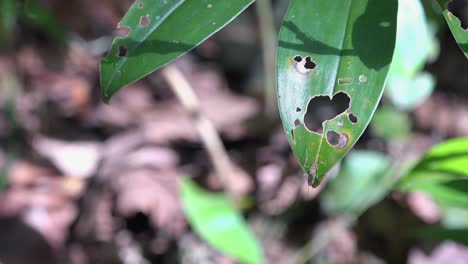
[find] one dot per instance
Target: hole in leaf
(353, 118)
(337, 140)
(298, 109)
(122, 32)
(304, 66)
(322, 108)
(309, 64)
(458, 8)
(297, 123)
(333, 138)
(345, 81)
(144, 21)
(122, 51)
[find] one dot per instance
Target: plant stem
(269, 42)
(210, 137)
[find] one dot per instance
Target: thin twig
(269, 42)
(210, 137)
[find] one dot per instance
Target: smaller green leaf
(215, 219)
(459, 33)
(391, 124)
(444, 162)
(452, 193)
(364, 180)
(159, 32)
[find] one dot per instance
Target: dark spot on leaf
(298, 109)
(122, 32)
(144, 21)
(122, 51)
(322, 108)
(309, 63)
(457, 8)
(140, 5)
(353, 118)
(297, 58)
(297, 123)
(337, 140)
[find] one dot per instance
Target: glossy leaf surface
(339, 49)
(158, 32)
(215, 219)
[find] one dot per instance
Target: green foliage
(31, 13)
(443, 163)
(8, 11)
(159, 32)
(406, 86)
(37, 16)
(214, 218)
(391, 124)
(351, 45)
(365, 178)
(441, 234)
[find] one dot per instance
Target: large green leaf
(338, 49)
(160, 31)
(460, 34)
(215, 219)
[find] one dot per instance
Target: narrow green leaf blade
(444, 162)
(215, 219)
(459, 33)
(351, 44)
(161, 31)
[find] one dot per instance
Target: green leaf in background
(391, 124)
(415, 43)
(460, 34)
(454, 216)
(332, 54)
(440, 234)
(159, 32)
(214, 218)
(442, 173)
(365, 178)
(8, 15)
(39, 17)
(444, 162)
(406, 93)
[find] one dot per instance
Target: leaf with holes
(156, 32)
(459, 33)
(333, 59)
